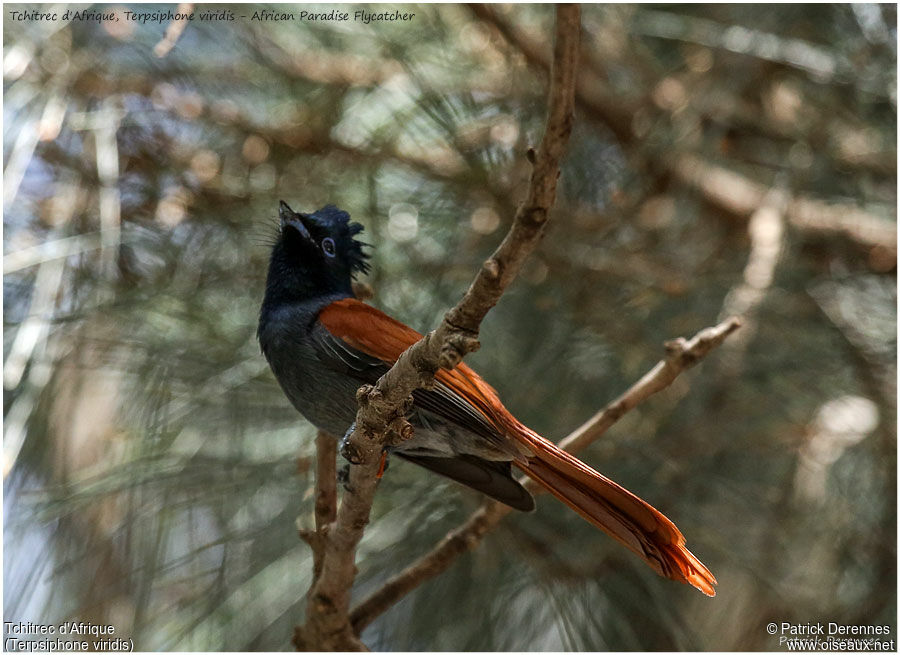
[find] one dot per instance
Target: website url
(838, 645)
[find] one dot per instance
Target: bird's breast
(325, 397)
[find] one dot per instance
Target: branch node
(492, 268)
(309, 537)
(457, 346)
(423, 361)
(401, 429)
(675, 348)
(351, 451)
(535, 216)
(366, 394)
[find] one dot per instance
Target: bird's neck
(278, 298)
(290, 297)
(287, 284)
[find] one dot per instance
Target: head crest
(332, 222)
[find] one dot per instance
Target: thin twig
(591, 93)
(326, 499)
(326, 480)
(681, 354)
(459, 540)
(766, 230)
(383, 406)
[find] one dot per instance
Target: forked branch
(383, 407)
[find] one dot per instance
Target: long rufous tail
(626, 518)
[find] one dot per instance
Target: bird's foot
(348, 450)
(343, 472)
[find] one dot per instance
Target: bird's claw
(348, 450)
(351, 453)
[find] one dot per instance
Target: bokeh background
(726, 159)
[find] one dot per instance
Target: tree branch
(591, 93)
(325, 511)
(326, 480)
(383, 407)
(722, 187)
(742, 196)
(326, 498)
(681, 354)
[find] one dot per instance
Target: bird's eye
(328, 246)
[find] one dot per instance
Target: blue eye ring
(328, 246)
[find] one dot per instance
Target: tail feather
(626, 518)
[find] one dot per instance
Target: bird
(323, 344)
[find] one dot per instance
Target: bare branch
(326, 499)
(327, 627)
(742, 196)
(591, 93)
(527, 229)
(465, 537)
(326, 480)
(383, 407)
(681, 354)
(766, 231)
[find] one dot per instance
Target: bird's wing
(365, 342)
(376, 334)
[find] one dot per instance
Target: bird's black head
(315, 255)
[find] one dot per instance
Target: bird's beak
(290, 218)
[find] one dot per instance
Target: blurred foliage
(154, 472)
